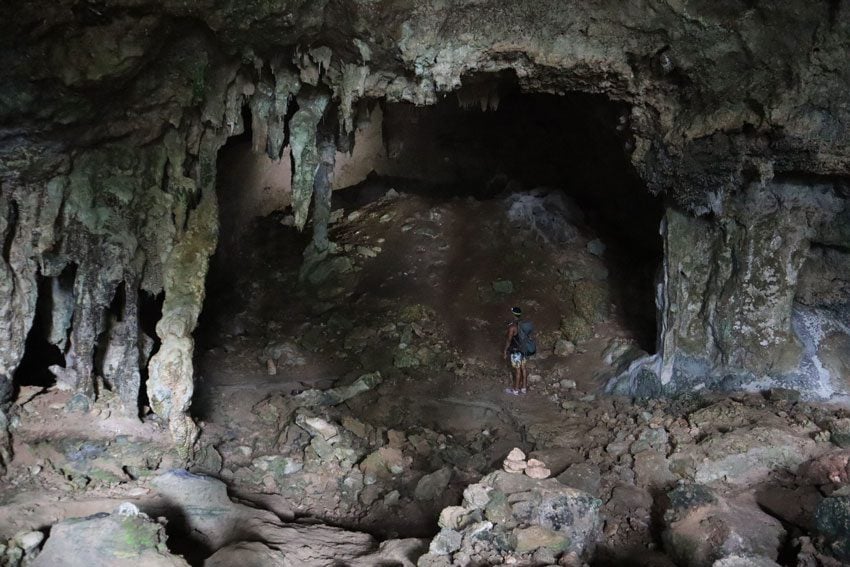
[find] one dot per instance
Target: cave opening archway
(558, 162)
(489, 141)
(443, 217)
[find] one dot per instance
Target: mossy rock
(405, 359)
(576, 329)
(416, 313)
(591, 300)
(118, 539)
(833, 521)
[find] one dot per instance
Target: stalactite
(262, 107)
(322, 189)
(287, 86)
(61, 307)
(305, 154)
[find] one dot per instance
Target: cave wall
(111, 117)
(731, 287)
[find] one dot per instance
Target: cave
(537, 147)
(260, 265)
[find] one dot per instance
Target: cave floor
(418, 293)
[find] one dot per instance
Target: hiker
(519, 345)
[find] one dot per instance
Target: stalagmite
(171, 382)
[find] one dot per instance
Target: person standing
(518, 347)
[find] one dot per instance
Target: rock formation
(112, 117)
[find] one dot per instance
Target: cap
(516, 311)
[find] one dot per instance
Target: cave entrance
(443, 218)
(530, 199)
(491, 142)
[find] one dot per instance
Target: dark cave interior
(486, 141)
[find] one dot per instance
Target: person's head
(517, 312)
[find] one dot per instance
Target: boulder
(582, 476)
(840, 432)
(832, 521)
(576, 329)
(382, 464)
(744, 456)
(246, 536)
(432, 486)
(564, 347)
(509, 515)
(591, 300)
(124, 538)
(830, 468)
(318, 545)
(596, 247)
(703, 527)
(446, 542)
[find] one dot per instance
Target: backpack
(527, 344)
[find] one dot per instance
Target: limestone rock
(830, 468)
(703, 527)
(576, 329)
(596, 247)
(318, 545)
(840, 432)
(832, 520)
(743, 456)
(28, 541)
(382, 464)
(515, 461)
(516, 454)
(564, 347)
(591, 300)
(536, 537)
(432, 486)
(317, 426)
(523, 516)
(582, 476)
(120, 539)
(445, 542)
(453, 517)
(537, 469)
(283, 354)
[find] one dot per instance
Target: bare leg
(518, 378)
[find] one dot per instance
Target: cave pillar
(121, 360)
(322, 190)
(16, 312)
(94, 289)
(171, 374)
(27, 218)
(728, 284)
